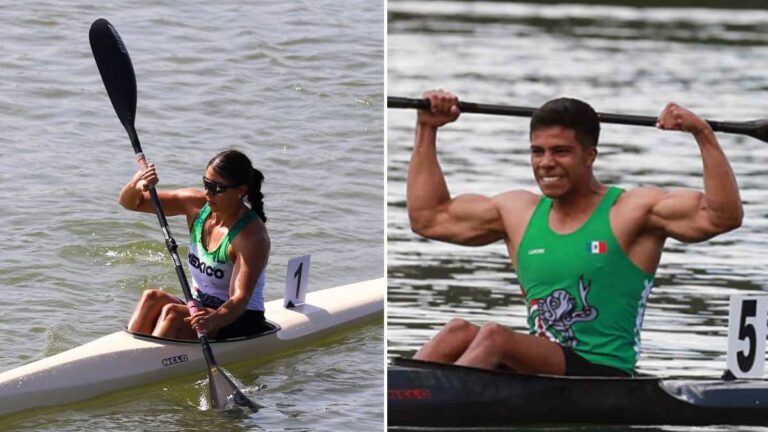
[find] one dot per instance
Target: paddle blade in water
(116, 71)
(225, 395)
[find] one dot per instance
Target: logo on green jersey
(554, 315)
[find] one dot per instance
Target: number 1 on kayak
(746, 336)
(296, 280)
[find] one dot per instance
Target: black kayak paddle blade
(117, 73)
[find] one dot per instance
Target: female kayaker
(228, 252)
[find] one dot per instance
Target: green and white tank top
(581, 290)
(212, 270)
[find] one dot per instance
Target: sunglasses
(214, 188)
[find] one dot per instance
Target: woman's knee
(152, 295)
(174, 312)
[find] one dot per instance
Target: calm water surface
(620, 59)
(295, 85)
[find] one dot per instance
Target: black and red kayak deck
(424, 394)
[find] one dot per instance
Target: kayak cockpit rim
(273, 328)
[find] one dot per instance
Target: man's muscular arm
(693, 216)
(466, 219)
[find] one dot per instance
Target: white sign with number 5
(296, 281)
(746, 336)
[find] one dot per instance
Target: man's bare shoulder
(516, 208)
(641, 197)
(517, 198)
(516, 205)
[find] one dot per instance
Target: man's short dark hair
(571, 114)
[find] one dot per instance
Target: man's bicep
(481, 215)
(683, 215)
(469, 219)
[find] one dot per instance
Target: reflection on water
(620, 59)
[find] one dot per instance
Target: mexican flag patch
(597, 247)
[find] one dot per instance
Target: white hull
(122, 360)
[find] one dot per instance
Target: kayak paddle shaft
(756, 128)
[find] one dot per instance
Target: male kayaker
(585, 252)
(228, 252)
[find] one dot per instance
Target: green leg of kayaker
(585, 252)
(228, 252)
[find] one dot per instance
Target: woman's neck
(229, 217)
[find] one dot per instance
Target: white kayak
(122, 359)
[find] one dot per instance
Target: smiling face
(560, 164)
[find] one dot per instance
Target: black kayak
(434, 395)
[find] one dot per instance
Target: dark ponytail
(236, 168)
(255, 197)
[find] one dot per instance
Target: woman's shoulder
(254, 232)
(186, 201)
(191, 194)
(252, 241)
(193, 199)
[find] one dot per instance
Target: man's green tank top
(580, 288)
